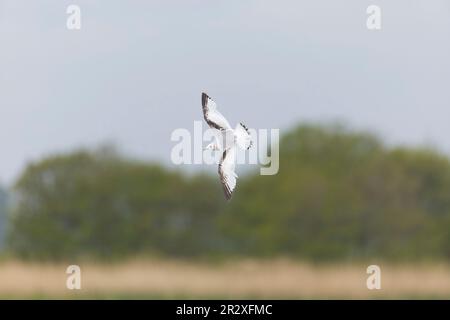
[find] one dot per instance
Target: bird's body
(227, 140)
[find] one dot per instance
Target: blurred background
(85, 171)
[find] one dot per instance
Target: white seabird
(226, 140)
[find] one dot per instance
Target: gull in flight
(226, 140)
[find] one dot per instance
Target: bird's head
(211, 146)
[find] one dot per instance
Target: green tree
(99, 204)
(3, 220)
(341, 194)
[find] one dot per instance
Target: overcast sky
(135, 71)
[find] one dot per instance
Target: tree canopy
(3, 199)
(339, 194)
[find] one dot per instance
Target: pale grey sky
(135, 70)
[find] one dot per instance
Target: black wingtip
(227, 192)
(244, 126)
(227, 195)
(205, 98)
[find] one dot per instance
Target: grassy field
(158, 279)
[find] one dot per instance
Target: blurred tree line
(3, 208)
(339, 194)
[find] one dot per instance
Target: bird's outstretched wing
(243, 139)
(226, 171)
(213, 117)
